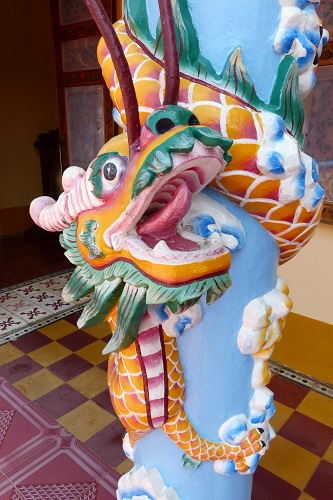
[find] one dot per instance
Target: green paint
(234, 78)
(159, 161)
(122, 281)
(87, 239)
(95, 176)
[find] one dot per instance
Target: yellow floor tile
(99, 331)
(49, 354)
(86, 420)
(36, 385)
(317, 406)
(93, 352)
(329, 454)
(306, 346)
(290, 462)
(58, 330)
(9, 353)
(305, 496)
(125, 466)
(281, 415)
(91, 382)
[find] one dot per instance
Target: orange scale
(275, 227)
(183, 95)
(294, 233)
(133, 48)
(208, 115)
(258, 208)
(237, 184)
(233, 101)
(102, 51)
(149, 69)
(306, 216)
(118, 98)
(285, 213)
(147, 92)
(306, 234)
(286, 247)
(203, 93)
(143, 115)
(109, 73)
(240, 124)
(244, 157)
(266, 189)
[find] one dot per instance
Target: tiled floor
(62, 370)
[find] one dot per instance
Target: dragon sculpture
(146, 240)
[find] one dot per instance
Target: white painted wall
(310, 277)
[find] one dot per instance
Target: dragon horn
(122, 69)
(171, 63)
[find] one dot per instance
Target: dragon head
(142, 221)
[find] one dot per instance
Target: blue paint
(257, 417)
(236, 233)
(318, 195)
(315, 171)
(275, 163)
(221, 28)
(218, 376)
(201, 223)
(280, 128)
(182, 324)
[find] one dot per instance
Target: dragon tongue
(163, 224)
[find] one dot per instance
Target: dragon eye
(193, 120)
(163, 125)
(110, 171)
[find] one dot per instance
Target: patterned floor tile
(318, 407)
(321, 483)
(19, 368)
(58, 329)
(90, 383)
(93, 353)
(77, 340)
(107, 444)
(31, 342)
(329, 454)
(307, 433)
(69, 367)
(49, 354)
(103, 400)
(33, 304)
(267, 485)
(60, 401)
(8, 352)
(287, 392)
(86, 420)
(281, 416)
(36, 385)
(290, 462)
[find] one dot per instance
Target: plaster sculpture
(177, 228)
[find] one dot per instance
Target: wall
(28, 105)
(310, 277)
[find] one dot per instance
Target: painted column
(178, 225)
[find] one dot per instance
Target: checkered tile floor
(61, 369)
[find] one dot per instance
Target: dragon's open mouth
(176, 225)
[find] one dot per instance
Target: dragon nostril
(193, 120)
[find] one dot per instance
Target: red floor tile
(77, 340)
(320, 485)
(307, 433)
(268, 486)
(70, 367)
(287, 392)
(73, 317)
(19, 368)
(60, 401)
(32, 341)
